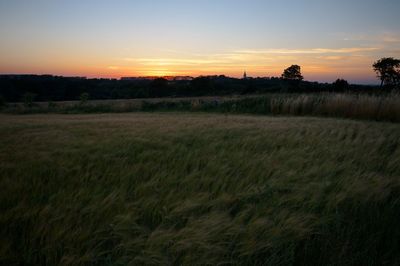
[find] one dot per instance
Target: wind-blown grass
(366, 107)
(198, 189)
(385, 107)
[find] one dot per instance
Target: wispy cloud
(390, 38)
(379, 38)
(310, 51)
(174, 61)
(332, 57)
(251, 56)
(270, 62)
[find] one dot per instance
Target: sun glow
(159, 73)
(316, 63)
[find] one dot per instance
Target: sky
(98, 38)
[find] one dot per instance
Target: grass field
(198, 189)
(379, 107)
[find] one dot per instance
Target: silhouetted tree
(292, 76)
(202, 85)
(159, 87)
(292, 73)
(340, 85)
(388, 70)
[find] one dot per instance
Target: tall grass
(379, 108)
(370, 107)
(198, 189)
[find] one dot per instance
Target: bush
(2, 101)
(84, 98)
(28, 99)
(51, 105)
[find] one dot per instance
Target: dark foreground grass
(196, 189)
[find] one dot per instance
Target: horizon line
(172, 76)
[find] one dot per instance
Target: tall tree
(388, 70)
(340, 85)
(292, 73)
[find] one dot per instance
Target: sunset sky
(329, 39)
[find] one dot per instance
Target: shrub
(51, 105)
(2, 101)
(29, 99)
(84, 98)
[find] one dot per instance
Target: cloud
(391, 38)
(251, 57)
(332, 57)
(269, 62)
(378, 38)
(175, 61)
(309, 51)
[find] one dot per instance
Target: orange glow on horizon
(81, 38)
(316, 64)
(311, 73)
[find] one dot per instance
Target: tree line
(14, 88)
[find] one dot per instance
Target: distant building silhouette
(244, 75)
(169, 78)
